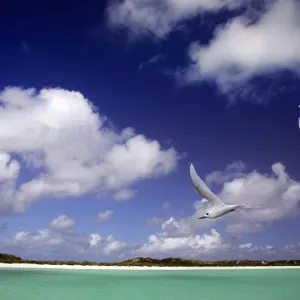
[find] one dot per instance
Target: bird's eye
(207, 214)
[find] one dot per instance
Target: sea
(41, 284)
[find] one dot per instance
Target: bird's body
(219, 211)
(218, 207)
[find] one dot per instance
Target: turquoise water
(29, 284)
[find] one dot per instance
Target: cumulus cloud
(47, 244)
(94, 239)
(9, 169)
(188, 246)
(51, 245)
(106, 247)
(159, 17)
(249, 247)
(113, 245)
(58, 137)
(30, 241)
(63, 224)
(234, 170)
(211, 246)
(105, 216)
(263, 37)
(276, 195)
(243, 49)
(269, 252)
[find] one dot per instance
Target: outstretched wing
(203, 190)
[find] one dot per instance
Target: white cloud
(277, 196)
(238, 166)
(94, 239)
(211, 246)
(248, 45)
(63, 224)
(57, 135)
(242, 49)
(243, 246)
(277, 193)
(159, 17)
(46, 244)
(31, 241)
(188, 246)
(113, 245)
(9, 169)
(105, 216)
(234, 170)
(250, 247)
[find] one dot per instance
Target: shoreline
(80, 267)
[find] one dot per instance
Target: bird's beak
(202, 218)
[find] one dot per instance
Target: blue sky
(105, 104)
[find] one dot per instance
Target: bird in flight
(218, 207)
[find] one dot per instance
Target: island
(151, 262)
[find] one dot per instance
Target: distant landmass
(147, 261)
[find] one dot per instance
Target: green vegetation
(150, 262)
(8, 258)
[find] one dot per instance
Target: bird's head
(206, 216)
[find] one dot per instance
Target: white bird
(218, 207)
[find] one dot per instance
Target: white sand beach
(79, 267)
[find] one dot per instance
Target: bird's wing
(203, 190)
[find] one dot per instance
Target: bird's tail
(244, 206)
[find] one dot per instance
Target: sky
(104, 105)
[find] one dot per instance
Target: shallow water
(33, 284)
